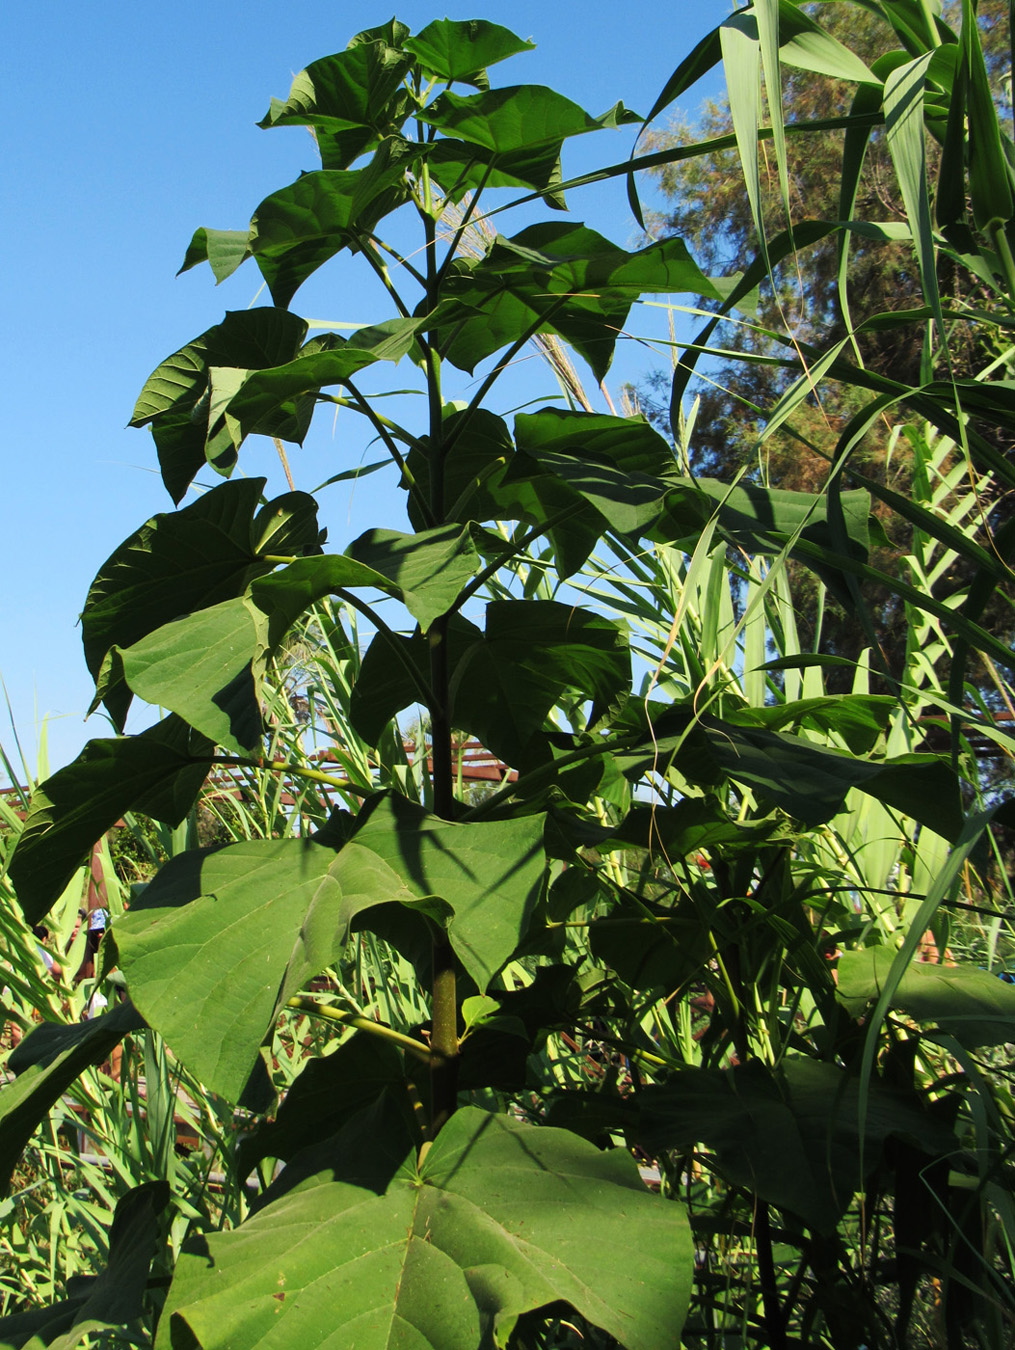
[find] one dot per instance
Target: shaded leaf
(249, 339)
(347, 97)
(790, 1137)
(531, 652)
(651, 947)
(176, 563)
(504, 681)
(974, 1006)
(674, 832)
(327, 1093)
(110, 1299)
(46, 1063)
(860, 719)
(462, 50)
(159, 772)
(499, 1219)
(806, 780)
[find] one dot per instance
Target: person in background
(41, 933)
(97, 922)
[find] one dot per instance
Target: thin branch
(463, 421)
(416, 275)
(518, 546)
(382, 430)
(351, 598)
(381, 269)
(314, 1009)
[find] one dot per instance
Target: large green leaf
(394, 673)
(480, 881)
(159, 772)
(504, 681)
(462, 50)
(811, 782)
(294, 231)
(46, 1063)
(532, 651)
(346, 98)
(220, 939)
(764, 520)
(175, 395)
(807, 780)
(324, 361)
(474, 464)
(972, 1005)
(508, 137)
(621, 466)
(499, 1219)
(206, 668)
(205, 948)
(426, 571)
(490, 874)
(860, 719)
(631, 443)
(174, 564)
(481, 483)
(561, 278)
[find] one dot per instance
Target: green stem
(462, 422)
(444, 1007)
(297, 770)
(519, 546)
(392, 449)
(443, 1037)
(467, 215)
(414, 1047)
(397, 432)
(775, 1322)
(422, 687)
(381, 269)
(402, 262)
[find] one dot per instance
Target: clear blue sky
(127, 126)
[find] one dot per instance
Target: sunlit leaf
(345, 97)
(500, 1218)
(462, 50)
(972, 1005)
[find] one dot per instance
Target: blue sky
(129, 125)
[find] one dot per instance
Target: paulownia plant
(409, 1213)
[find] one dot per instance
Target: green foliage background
(386, 1064)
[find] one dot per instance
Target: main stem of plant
(444, 1011)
